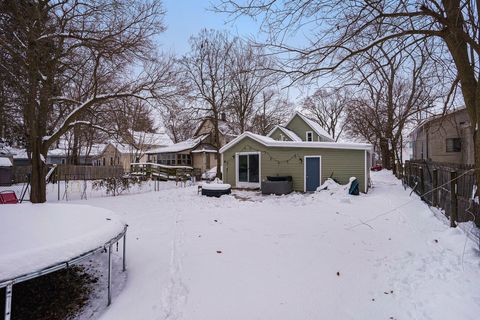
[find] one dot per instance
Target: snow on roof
(93, 151)
(312, 124)
(16, 153)
(180, 146)
(160, 138)
(289, 133)
(36, 236)
(5, 162)
(269, 142)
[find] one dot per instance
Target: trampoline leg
(124, 252)
(109, 279)
(8, 301)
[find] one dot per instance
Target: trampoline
(37, 239)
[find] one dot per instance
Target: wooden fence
(72, 172)
(435, 181)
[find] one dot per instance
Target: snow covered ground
(326, 255)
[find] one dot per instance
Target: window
(282, 137)
(184, 159)
(168, 159)
(454, 144)
(309, 136)
(111, 161)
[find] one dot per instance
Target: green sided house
(302, 150)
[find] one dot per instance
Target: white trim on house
(249, 185)
(366, 165)
(204, 150)
(305, 170)
(306, 136)
(289, 133)
(269, 142)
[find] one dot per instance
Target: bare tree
(274, 109)
(250, 75)
(51, 43)
(393, 88)
(178, 120)
(207, 70)
(327, 108)
(341, 30)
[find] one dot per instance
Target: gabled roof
(223, 127)
(269, 142)
(435, 117)
(312, 124)
(287, 132)
(180, 146)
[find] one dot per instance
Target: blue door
(312, 173)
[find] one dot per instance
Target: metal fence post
(8, 301)
(124, 251)
(434, 187)
(109, 279)
(422, 182)
(453, 199)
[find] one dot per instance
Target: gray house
(300, 150)
(447, 138)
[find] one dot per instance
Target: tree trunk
(38, 192)
(385, 153)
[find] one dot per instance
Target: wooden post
(422, 181)
(434, 187)
(453, 199)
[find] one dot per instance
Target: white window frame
(306, 136)
(305, 170)
(248, 185)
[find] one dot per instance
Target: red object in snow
(8, 197)
(376, 168)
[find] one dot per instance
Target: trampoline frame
(8, 283)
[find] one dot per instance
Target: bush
(117, 185)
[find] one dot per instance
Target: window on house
(104, 161)
(309, 136)
(111, 161)
(184, 159)
(168, 159)
(453, 144)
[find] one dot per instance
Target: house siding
(300, 127)
(276, 135)
(429, 140)
(340, 164)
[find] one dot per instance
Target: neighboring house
(115, 154)
(444, 138)
(199, 152)
(86, 157)
(18, 156)
(300, 149)
(124, 154)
